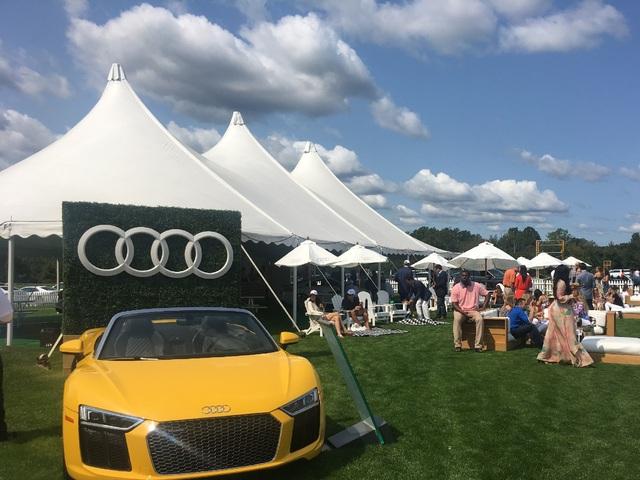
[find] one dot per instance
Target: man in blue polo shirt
(521, 327)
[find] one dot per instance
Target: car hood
(180, 389)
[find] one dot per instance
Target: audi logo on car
(158, 261)
(213, 409)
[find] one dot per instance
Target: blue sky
(476, 114)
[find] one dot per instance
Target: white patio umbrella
(431, 260)
(305, 253)
(543, 260)
(523, 261)
(358, 255)
(571, 261)
(483, 257)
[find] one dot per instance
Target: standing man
(587, 282)
(6, 316)
(404, 277)
(441, 287)
(422, 295)
(464, 298)
(508, 280)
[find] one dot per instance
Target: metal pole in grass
(368, 421)
(10, 272)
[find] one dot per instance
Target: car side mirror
(73, 347)
(288, 338)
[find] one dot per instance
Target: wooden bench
(610, 328)
(496, 334)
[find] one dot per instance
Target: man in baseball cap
(351, 304)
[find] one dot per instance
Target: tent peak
(310, 147)
(116, 73)
(236, 119)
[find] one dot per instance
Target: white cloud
(76, 8)
(342, 161)
(446, 26)
(375, 201)
(631, 228)
(370, 184)
(583, 26)
(494, 228)
(632, 172)
(405, 211)
(496, 201)
(565, 169)
(254, 10)
(583, 226)
(298, 64)
(21, 136)
(199, 139)
(30, 82)
(426, 185)
(518, 9)
(412, 221)
(398, 119)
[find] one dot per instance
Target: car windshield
(164, 335)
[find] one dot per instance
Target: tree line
(522, 243)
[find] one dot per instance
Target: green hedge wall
(91, 300)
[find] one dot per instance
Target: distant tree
(452, 239)
(559, 234)
(519, 243)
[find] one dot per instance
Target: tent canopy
(244, 164)
(307, 252)
(312, 172)
(358, 255)
(572, 261)
(543, 260)
(484, 256)
(431, 260)
(119, 153)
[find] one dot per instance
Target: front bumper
(142, 463)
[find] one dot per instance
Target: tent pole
(269, 286)
(57, 275)
(379, 275)
(295, 295)
(342, 280)
(10, 273)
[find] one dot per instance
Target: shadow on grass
(27, 436)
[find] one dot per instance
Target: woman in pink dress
(560, 342)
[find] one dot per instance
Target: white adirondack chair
(314, 326)
(336, 301)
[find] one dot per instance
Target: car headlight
(96, 417)
(302, 403)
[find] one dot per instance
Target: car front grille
(203, 445)
(104, 448)
(306, 428)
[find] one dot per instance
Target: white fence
(24, 301)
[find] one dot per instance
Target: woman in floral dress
(560, 342)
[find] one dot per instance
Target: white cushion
(617, 345)
(598, 330)
(492, 312)
(600, 316)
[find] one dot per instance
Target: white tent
(483, 257)
(431, 260)
(571, 261)
(312, 172)
(543, 260)
(245, 165)
(119, 153)
(358, 255)
(305, 253)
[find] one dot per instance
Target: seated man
(521, 327)
(354, 309)
(464, 299)
(316, 309)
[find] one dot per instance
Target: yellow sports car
(187, 393)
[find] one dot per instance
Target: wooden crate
(496, 334)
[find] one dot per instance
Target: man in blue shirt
(421, 296)
(586, 281)
(521, 327)
(404, 277)
(441, 286)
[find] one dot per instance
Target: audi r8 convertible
(187, 393)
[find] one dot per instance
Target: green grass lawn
(454, 415)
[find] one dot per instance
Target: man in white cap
(404, 277)
(351, 304)
(6, 316)
(315, 309)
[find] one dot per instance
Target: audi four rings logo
(158, 260)
(213, 409)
